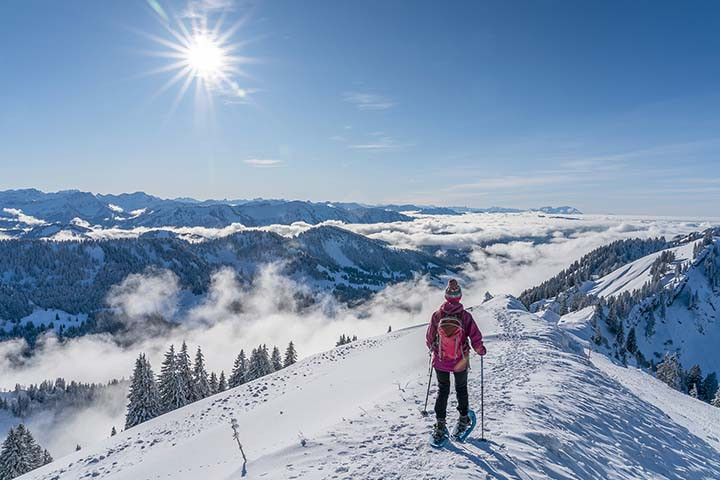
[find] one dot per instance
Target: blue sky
(612, 107)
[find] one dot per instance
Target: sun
(202, 56)
(205, 57)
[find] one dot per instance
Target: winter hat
(453, 292)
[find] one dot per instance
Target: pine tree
(716, 400)
(597, 336)
(12, 458)
(144, 400)
(186, 375)
(173, 389)
(200, 377)
(710, 386)
(260, 364)
(631, 342)
(32, 452)
(254, 365)
(290, 355)
(213, 383)
(222, 384)
(276, 360)
(267, 367)
(238, 376)
(669, 371)
(113, 432)
(693, 378)
(47, 458)
(78, 447)
(20, 453)
(694, 391)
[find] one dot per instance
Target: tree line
(56, 394)
(182, 382)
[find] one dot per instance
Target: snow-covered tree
(20, 454)
(716, 399)
(200, 377)
(669, 371)
(693, 377)
(710, 386)
(290, 355)
(113, 432)
(276, 360)
(631, 341)
(597, 337)
(259, 364)
(694, 391)
(222, 383)
(144, 397)
(213, 383)
(238, 376)
(173, 388)
(184, 369)
(12, 458)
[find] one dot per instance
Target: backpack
(451, 338)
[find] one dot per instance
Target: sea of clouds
(508, 252)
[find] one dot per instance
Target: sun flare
(203, 56)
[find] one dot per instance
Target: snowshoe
(440, 435)
(464, 427)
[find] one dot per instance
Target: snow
(549, 412)
(577, 323)
(115, 208)
(634, 275)
(23, 218)
(46, 317)
(698, 417)
(692, 332)
(334, 249)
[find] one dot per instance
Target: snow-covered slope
(634, 275)
(679, 314)
(354, 413)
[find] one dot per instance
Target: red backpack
(451, 338)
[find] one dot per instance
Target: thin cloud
(498, 183)
(379, 143)
(201, 8)
(368, 101)
(263, 162)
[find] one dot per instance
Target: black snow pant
(461, 390)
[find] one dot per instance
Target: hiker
(447, 337)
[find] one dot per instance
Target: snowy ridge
(681, 317)
(550, 413)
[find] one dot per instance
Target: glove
(481, 350)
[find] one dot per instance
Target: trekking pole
(482, 398)
(427, 395)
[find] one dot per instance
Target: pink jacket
(471, 329)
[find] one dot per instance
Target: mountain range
(35, 214)
(75, 277)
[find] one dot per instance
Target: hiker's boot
(439, 431)
(463, 424)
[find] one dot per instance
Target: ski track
(549, 414)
